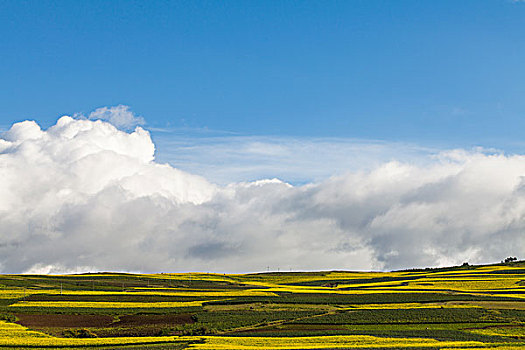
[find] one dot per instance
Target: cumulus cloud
(84, 195)
(120, 116)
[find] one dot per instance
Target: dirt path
(264, 325)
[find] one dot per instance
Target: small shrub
(193, 329)
(79, 333)
(7, 317)
(200, 330)
(165, 332)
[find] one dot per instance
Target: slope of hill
(456, 308)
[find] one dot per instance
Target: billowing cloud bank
(83, 195)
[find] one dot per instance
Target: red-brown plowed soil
(65, 321)
(139, 320)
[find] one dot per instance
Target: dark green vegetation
(467, 303)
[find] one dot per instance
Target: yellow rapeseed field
(103, 304)
(14, 335)
(266, 304)
(323, 342)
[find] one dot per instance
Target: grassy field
(467, 307)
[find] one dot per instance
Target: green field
(467, 307)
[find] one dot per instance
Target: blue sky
(441, 72)
(396, 127)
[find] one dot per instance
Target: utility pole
(60, 288)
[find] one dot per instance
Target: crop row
(325, 342)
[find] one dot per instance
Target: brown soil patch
(64, 321)
(141, 320)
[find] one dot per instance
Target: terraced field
(467, 307)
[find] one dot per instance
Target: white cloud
(85, 195)
(120, 116)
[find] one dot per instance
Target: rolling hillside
(473, 307)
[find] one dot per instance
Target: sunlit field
(466, 307)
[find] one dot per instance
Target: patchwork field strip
(467, 307)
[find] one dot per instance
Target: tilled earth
(104, 325)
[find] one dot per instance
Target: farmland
(466, 307)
